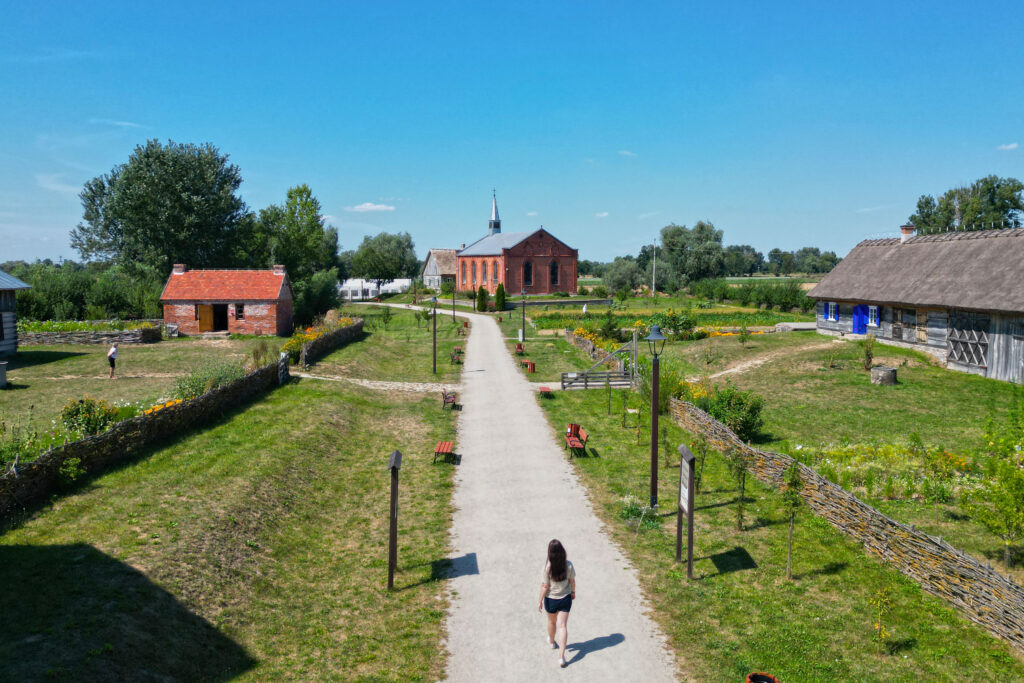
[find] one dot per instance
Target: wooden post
(686, 503)
(394, 464)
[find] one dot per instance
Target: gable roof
(225, 285)
(492, 245)
(978, 270)
(445, 259)
(11, 282)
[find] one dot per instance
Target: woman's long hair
(556, 558)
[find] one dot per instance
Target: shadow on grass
(593, 645)
(735, 560)
(80, 614)
(28, 359)
(902, 645)
(830, 569)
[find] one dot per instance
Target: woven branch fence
(982, 594)
(34, 481)
(140, 335)
(321, 346)
(592, 350)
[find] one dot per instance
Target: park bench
(457, 349)
(448, 398)
(460, 331)
(519, 349)
(529, 365)
(576, 439)
(444, 448)
(545, 392)
(454, 358)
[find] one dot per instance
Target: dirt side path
(757, 361)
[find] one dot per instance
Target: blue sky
(788, 125)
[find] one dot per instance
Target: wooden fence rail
(986, 597)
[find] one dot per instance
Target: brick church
(535, 260)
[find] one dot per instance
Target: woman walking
(112, 358)
(557, 591)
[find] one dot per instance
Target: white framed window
(831, 310)
(872, 316)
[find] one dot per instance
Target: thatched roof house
(959, 296)
(438, 267)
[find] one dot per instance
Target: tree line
(179, 203)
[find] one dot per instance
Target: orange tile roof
(224, 285)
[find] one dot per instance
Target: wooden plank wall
(9, 344)
(1006, 348)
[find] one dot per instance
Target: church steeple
(495, 223)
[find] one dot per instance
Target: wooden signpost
(394, 464)
(686, 501)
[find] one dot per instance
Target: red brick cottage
(240, 301)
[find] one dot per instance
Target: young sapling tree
(792, 502)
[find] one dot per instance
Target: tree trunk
(1007, 555)
(789, 554)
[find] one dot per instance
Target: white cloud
(648, 214)
(1006, 148)
(601, 214)
(627, 153)
(531, 213)
(369, 206)
(871, 209)
(112, 122)
(51, 181)
(328, 218)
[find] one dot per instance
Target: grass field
(41, 379)
(400, 352)
(740, 614)
(252, 549)
(551, 356)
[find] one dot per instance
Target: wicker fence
(983, 595)
(36, 480)
(592, 350)
(321, 346)
(140, 335)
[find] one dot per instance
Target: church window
(528, 274)
(494, 272)
(553, 269)
(473, 270)
(463, 273)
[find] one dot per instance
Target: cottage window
(872, 316)
(239, 311)
(553, 271)
(527, 274)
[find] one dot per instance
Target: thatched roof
(445, 259)
(981, 271)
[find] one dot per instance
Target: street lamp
(433, 300)
(656, 342)
(453, 302)
(522, 332)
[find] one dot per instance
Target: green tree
(297, 236)
(385, 257)
(998, 504)
(481, 299)
(173, 203)
(742, 259)
(695, 253)
(499, 297)
(622, 273)
(792, 501)
(989, 202)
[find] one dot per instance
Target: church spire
(495, 223)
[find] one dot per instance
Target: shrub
(600, 291)
(623, 293)
(738, 410)
(70, 471)
(447, 287)
(207, 378)
(87, 416)
(637, 515)
(869, 351)
(560, 295)
(581, 290)
(481, 299)
(499, 297)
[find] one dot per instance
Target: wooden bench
(576, 439)
(529, 365)
(457, 349)
(444, 448)
(448, 398)
(454, 358)
(545, 392)
(519, 349)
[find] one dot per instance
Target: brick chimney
(463, 246)
(178, 269)
(906, 232)
(278, 270)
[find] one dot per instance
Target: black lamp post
(453, 302)
(656, 341)
(433, 300)
(522, 334)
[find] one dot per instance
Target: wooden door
(205, 318)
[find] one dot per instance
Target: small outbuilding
(238, 301)
(9, 285)
(439, 267)
(958, 296)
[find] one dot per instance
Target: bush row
(781, 295)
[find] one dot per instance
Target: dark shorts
(553, 605)
(113, 362)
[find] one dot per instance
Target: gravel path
(515, 491)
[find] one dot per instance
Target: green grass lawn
(41, 379)
(400, 352)
(740, 614)
(254, 548)
(551, 356)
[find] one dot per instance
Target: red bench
(444, 448)
(576, 439)
(545, 392)
(529, 365)
(448, 398)
(519, 349)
